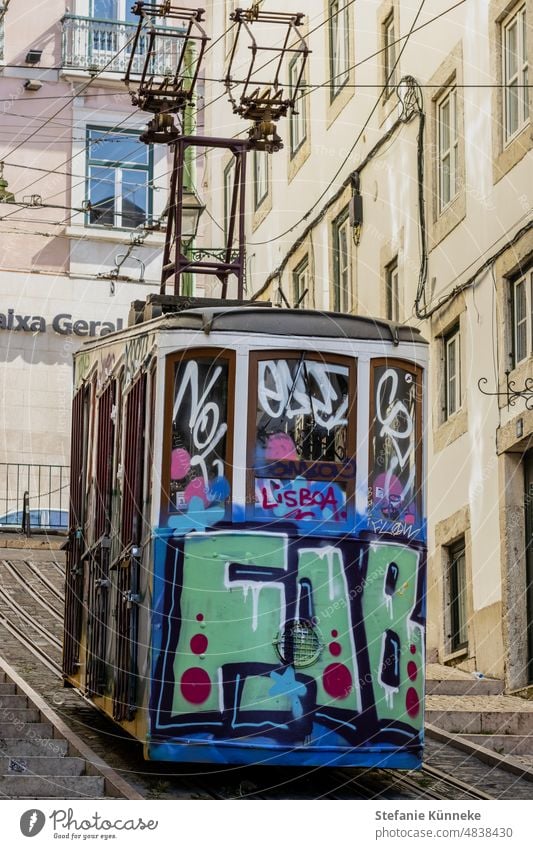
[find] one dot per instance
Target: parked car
(39, 519)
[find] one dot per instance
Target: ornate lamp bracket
(512, 394)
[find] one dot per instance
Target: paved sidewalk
(438, 672)
(36, 542)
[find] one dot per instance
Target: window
(113, 10)
(339, 45)
(522, 315)
(119, 176)
(300, 283)
(298, 118)
(199, 436)
(395, 449)
(230, 28)
(515, 72)
(389, 52)
(229, 179)
(452, 372)
(457, 595)
(393, 302)
(301, 450)
(2, 13)
(341, 263)
(260, 177)
(106, 37)
(447, 147)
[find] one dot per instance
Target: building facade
(422, 111)
(80, 219)
(403, 191)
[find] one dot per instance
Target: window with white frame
(260, 177)
(112, 10)
(457, 594)
(298, 118)
(342, 278)
(389, 53)
(339, 45)
(119, 179)
(522, 315)
(101, 35)
(515, 72)
(300, 283)
(392, 293)
(447, 139)
(452, 372)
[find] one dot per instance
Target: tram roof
(288, 322)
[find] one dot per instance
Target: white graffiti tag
(309, 391)
(398, 426)
(205, 423)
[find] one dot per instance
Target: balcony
(98, 46)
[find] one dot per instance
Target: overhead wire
(354, 145)
(307, 92)
(382, 50)
(74, 96)
(108, 132)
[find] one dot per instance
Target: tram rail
(261, 783)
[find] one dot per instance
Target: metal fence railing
(90, 44)
(34, 496)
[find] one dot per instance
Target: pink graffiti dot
(195, 685)
(335, 649)
(334, 633)
(337, 680)
(412, 702)
(198, 644)
(196, 489)
(412, 670)
(199, 617)
(412, 649)
(180, 464)
(280, 447)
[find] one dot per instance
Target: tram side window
(303, 450)
(198, 475)
(394, 496)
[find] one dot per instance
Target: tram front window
(198, 475)
(303, 448)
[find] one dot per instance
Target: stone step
(481, 722)
(43, 765)
(7, 688)
(17, 747)
(29, 732)
(53, 787)
(17, 715)
(464, 687)
(13, 702)
(503, 744)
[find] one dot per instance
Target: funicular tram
(247, 547)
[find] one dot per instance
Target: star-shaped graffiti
(285, 684)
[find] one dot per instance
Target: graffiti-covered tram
(246, 561)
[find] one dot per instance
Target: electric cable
(354, 145)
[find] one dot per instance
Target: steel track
(368, 786)
(31, 591)
(34, 567)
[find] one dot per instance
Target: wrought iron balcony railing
(92, 45)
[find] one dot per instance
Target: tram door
(528, 469)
